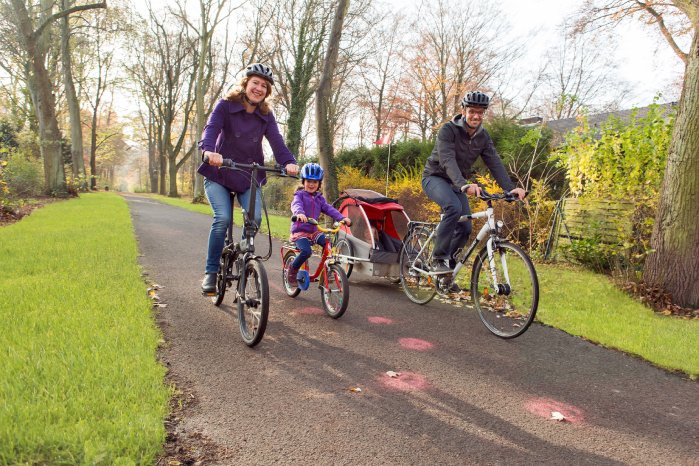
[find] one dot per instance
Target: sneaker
(291, 277)
(442, 266)
(208, 285)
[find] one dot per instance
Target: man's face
(473, 115)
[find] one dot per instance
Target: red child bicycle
(331, 278)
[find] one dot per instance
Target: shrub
(24, 177)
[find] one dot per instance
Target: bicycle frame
(327, 251)
(490, 228)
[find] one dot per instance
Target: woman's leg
(244, 198)
(220, 200)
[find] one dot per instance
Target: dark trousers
(304, 245)
(451, 234)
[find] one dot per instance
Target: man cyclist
(459, 144)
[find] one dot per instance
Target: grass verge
(79, 380)
(589, 305)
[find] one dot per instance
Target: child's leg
(321, 240)
(304, 245)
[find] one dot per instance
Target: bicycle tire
(418, 287)
(221, 282)
(334, 291)
(253, 302)
(344, 248)
(509, 311)
(292, 291)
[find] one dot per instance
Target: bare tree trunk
(674, 263)
(76, 132)
(323, 94)
(152, 160)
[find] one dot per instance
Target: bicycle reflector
(304, 279)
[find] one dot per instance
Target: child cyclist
(308, 203)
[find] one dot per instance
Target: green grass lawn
(79, 379)
(586, 304)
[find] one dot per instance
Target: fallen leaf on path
(556, 416)
(392, 374)
(355, 390)
(159, 305)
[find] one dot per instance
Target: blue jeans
(304, 245)
(220, 200)
(451, 234)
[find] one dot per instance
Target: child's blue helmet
(312, 171)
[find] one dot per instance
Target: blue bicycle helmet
(312, 171)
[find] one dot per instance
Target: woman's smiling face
(256, 89)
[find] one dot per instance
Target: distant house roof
(562, 127)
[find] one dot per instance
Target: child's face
(310, 185)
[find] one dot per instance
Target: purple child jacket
(311, 205)
(237, 135)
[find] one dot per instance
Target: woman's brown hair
(238, 92)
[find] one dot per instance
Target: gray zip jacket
(455, 153)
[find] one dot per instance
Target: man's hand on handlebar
(520, 193)
(471, 189)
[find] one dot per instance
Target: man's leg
(440, 191)
(462, 230)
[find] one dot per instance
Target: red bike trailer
(371, 245)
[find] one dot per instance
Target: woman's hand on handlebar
(213, 158)
(292, 169)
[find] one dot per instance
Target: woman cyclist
(234, 131)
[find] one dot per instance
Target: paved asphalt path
(463, 396)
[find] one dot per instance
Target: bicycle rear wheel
(253, 302)
(289, 257)
(418, 286)
(507, 307)
(334, 291)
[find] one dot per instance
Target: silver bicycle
(504, 286)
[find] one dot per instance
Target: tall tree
(673, 264)
(76, 130)
(32, 27)
(323, 96)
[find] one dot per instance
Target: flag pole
(388, 168)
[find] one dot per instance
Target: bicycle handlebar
(228, 163)
(507, 197)
(312, 221)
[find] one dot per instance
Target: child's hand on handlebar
(301, 217)
(346, 221)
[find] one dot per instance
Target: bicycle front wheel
(418, 286)
(506, 291)
(334, 291)
(253, 302)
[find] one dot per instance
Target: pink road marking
(275, 287)
(310, 311)
(380, 320)
(405, 382)
(545, 406)
(415, 344)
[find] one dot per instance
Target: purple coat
(237, 135)
(311, 205)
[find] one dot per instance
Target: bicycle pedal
(208, 294)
